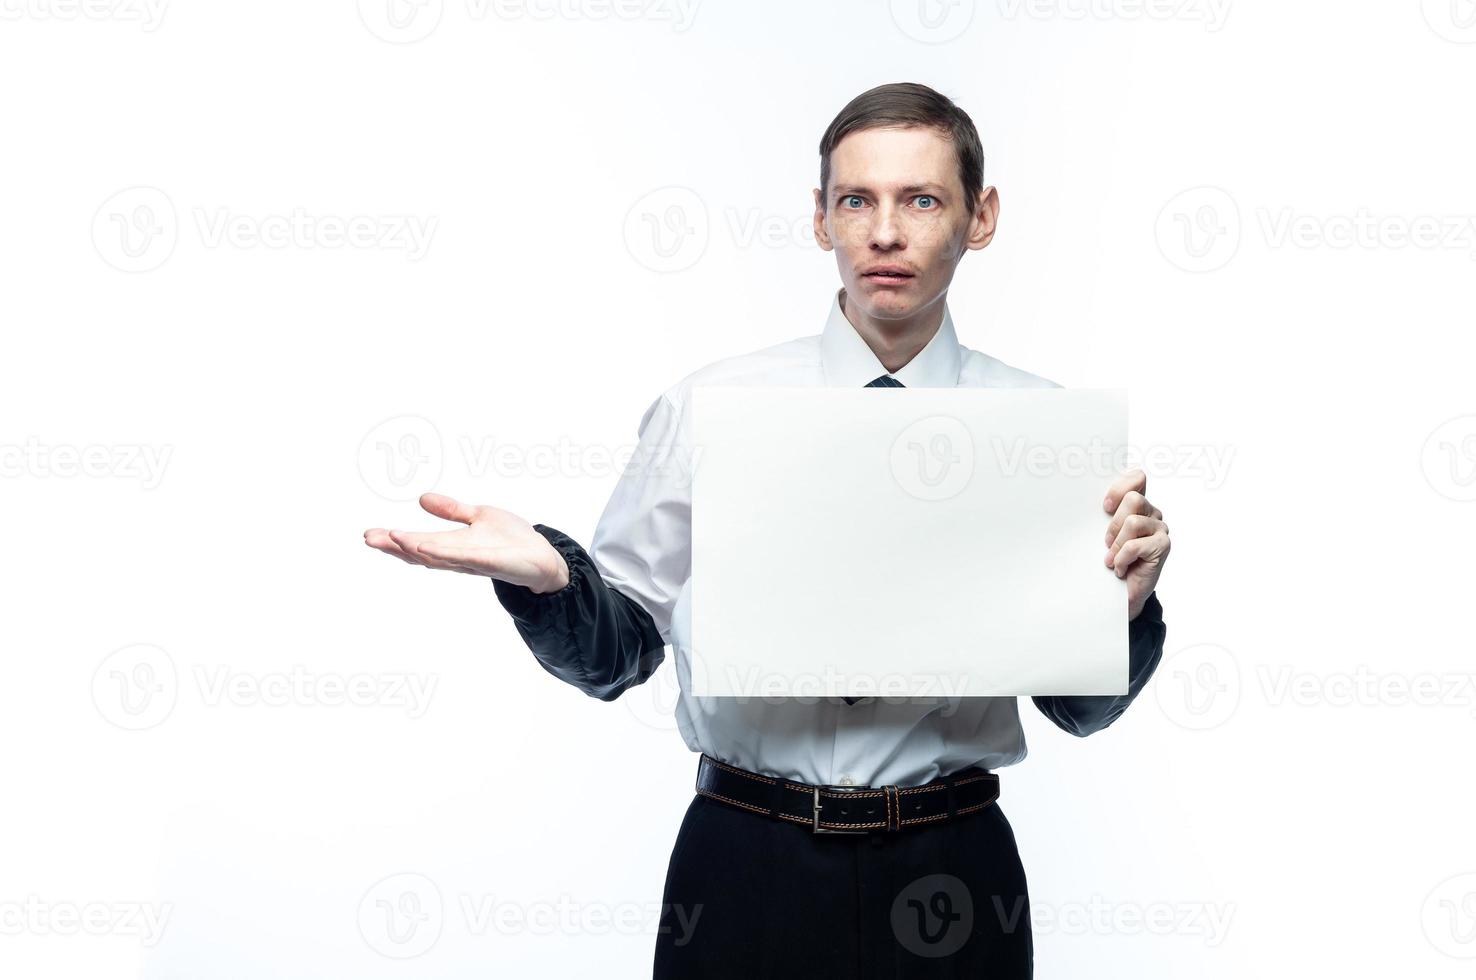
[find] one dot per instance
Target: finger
(483, 561)
(436, 559)
(378, 538)
(448, 507)
(1133, 502)
(1131, 480)
(1134, 526)
(1153, 549)
(410, 542)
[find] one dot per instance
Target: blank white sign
(905, 542)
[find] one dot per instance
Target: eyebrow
(909, 189)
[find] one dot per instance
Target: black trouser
(753, 897)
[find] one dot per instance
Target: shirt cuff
(522, 602)
(1145, 642)
(1152, 611)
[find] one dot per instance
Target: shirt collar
(848, 361)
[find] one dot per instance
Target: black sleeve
(1083, 715)
(587, 633)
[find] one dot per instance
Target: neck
(895, 342)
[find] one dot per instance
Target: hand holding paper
(1137, 538)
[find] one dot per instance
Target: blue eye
(926, 197)
(850, 198)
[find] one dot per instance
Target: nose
(886, 230)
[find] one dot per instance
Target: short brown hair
(908, 104)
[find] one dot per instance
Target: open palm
(493, 542)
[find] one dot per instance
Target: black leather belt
(831, 809)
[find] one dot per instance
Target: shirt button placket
(851, 738)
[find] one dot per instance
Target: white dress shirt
(642, 548)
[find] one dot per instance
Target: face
(896, 201)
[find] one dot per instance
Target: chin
(890, 300)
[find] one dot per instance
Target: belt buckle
(815, 819)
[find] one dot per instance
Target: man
(849, 837)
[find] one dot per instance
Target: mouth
(890, 276)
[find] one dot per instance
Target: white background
(1289, 772)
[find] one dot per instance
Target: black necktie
(885, 381)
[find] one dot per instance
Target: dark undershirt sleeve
(1083, 715)
(587, 633)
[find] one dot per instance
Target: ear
(984, 220)
(822, 237)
